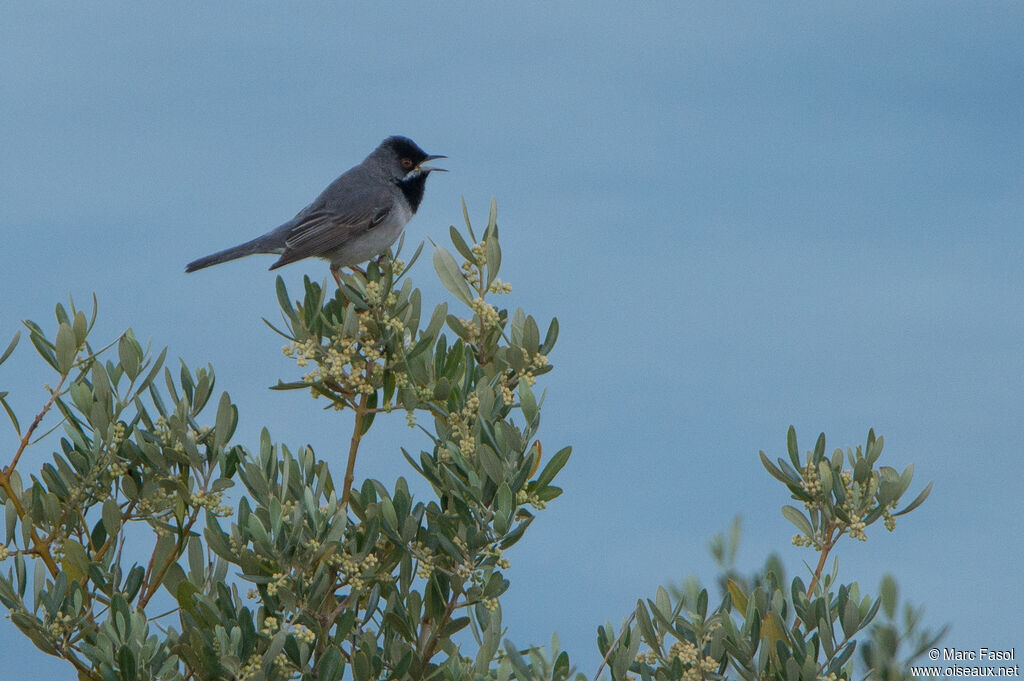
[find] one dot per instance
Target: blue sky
(744, 216)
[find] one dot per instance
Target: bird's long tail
(258, 245)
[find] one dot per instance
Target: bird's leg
(337, 277)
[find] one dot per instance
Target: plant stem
(611, 648)
(353, 449)
(40, 547)
(156, 577)
(826, 546)
(428, 650)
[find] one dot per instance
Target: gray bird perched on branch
(357, 217)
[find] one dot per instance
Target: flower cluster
(811, 482)
(487, 313)
(156, 502)
(211, 502)
(280, 580)
(498, 287)
(425, 559)
(60, 624)
(890, 522)
(118, 432)
(117, 469)
(857, 496)
(523, 498)
(355, 569)
(355, 364)
(304, 634)
(251, 667)
(302, 352)
(473, 270)
(692, 658)
(270, 625)
(461, 424)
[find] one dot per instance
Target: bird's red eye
(407, 163)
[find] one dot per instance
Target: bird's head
(403, 159)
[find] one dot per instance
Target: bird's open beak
(429, 168)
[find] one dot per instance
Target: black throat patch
(412, 186)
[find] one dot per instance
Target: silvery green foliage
(156, 547)
(765, 629)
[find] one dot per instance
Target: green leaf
(451, 276)
(80, 326)
(775, 471)
(792, 448)
(111, 517)
(553, 466)
(196, 561)
(42, 346)
(11, 519)
(129, 354)
(184, 591)
(331, 666)
(531, 335)
(847, 653)
(492, 217)
(663, 604)
(849, 618)
(918, 501)
(461, 246)
(10, 347)
(889, 595)
(283, 300)
(165, 546)
(517, 662)
(550, 337)
(34, 631)
(133, 582)
(739, 599)
(126, 661)
(10, 414)
(491, 463)
(227, 419)
(465, 216)
(154, 371)
(560, 670)
(65, 348)
(795, 516)
(76, 562)
(387, 510)
(173, 578)
(527, 402)
(493, 256)
(646, 627)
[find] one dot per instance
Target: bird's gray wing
(325, 226)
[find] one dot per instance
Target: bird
(357, 217)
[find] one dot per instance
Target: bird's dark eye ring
(407, 163)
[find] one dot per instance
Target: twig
(5, 473)
(40, 547)
(157, 576)
(428, 650)
(353, 449)
(826, 547)
(611, 648)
